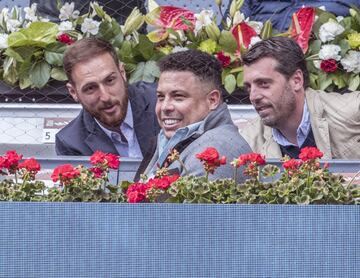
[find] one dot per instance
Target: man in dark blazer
(116, 117)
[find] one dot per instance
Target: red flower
(292, 164)
(64, 173)
(30, 165)
(211, 159)
(137, 192)
(103, 160)
(176, 18)
(98, 172)
(10, 161)
(329, 65)
(223, 59)
(309, 153)
(250, 157)
(65, 38)
(243, 34)
(302, 23)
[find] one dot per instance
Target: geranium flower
(330, 51)
(64, 173)
(249, 157)
(102, 160)
(67, 12)
(351, 61)
(292, 164)
(309, 153)
(211, 159)
(329, 65)
(30, 165)
(328, 31)
(12, 159)
(90, 26)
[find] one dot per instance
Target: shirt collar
(128, 122)
(301, 132)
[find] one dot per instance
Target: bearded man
(116, 117)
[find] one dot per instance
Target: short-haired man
(192, 116)
(116, 118)
(291, 115)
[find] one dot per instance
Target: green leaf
(269, 171)
(12, 53)
(145, 47)
(324, 81)
(58, 74)
(227, 42)
(126, 53)
(266, 31)
(54, 58)
(37, 34)
(240, 79)
(145, 72)
(339, 80)
(344, 44)
(24, 83)
(315, 47)
(230, 83)
(354, 82)
(40, 74)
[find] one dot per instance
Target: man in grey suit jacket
(192, 117)
(116, 118)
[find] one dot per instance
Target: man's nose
(167, 105)
(254, 95)
(104, 93)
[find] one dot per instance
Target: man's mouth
(168, 123)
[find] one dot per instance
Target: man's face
(100, 86)
(270, 92)
(183, 99)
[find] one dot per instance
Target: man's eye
(111, 80)
(160, 97)
(179, 97)
(264, 84)
(89, 89)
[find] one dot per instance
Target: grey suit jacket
(83, 136)
(218, 131)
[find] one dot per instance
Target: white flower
(65, 26)
(179, 49)
(90, 26)
(351, 61)
(13, 25)
(204, 18)
(328, 31)
(3, 41)
(323, 8)
(339, 18)
(254, 40)
(30, 12)
(317, 64)
(256, 25)
(67, 12)
(330, 51)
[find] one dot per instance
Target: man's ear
(122, 70)
(297, 80)
(72, 91)
(214, 98)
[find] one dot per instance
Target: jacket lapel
(97, 139)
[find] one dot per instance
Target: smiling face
(100, 86)
(272, 95)
(183, 99)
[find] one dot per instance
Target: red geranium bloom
(137, 192)
(211, 159)
(223, 59)
(64, 172)
(250, 157)
(11, 160)
(30, 165)
(98, 172)
(65, 38)
(329, 65)
(106, 160)
(309, 153)
(292, 164)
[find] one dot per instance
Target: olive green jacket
(335, 122)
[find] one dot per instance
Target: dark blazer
(83, 136)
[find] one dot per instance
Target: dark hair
(206, 67)
(85, 49)
(285, 51)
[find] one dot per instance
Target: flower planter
(172, 240)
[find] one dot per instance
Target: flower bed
(31, 49)
(303, 181)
